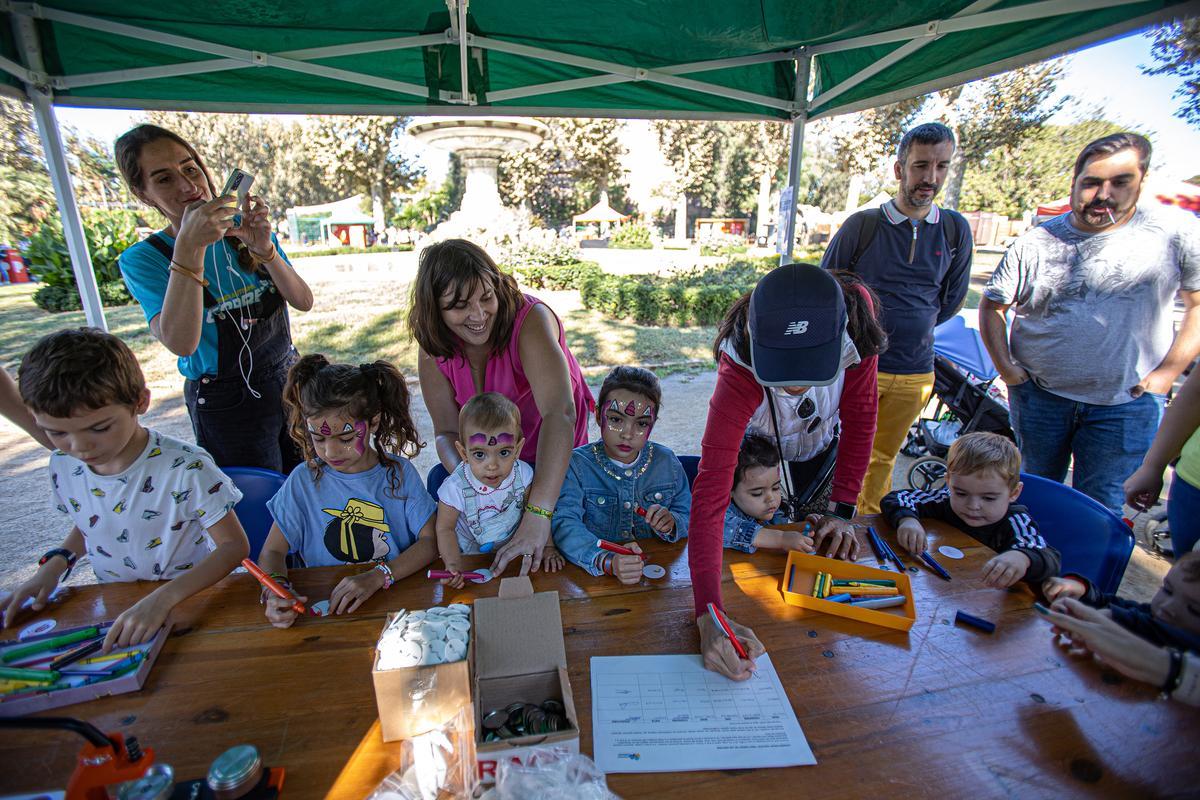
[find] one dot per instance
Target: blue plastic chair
(433, 481)
(690, 466)
(257, 485)
(1094, 541)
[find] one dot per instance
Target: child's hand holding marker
(843, 543)
(718, 647)
(627, 561)
(659, 518)
(912, 536)
(281, 611)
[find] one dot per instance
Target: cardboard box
(413, 700)
(800, 575)
(519, 657)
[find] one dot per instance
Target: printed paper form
(670, 714)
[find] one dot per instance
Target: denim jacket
(741, 528)
(599, 497)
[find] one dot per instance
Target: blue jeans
(1106, 442)
(1183, 512)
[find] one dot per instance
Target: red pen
(280, 592)
(641, 512)
(613, 547)
(741, 651)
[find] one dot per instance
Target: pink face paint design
(503, 438)
(477, 438)
(630, 409)
(325, 429)
(360, 436)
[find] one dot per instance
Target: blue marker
(879, 602)
(934, 565)
(839, 598)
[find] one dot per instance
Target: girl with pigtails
(356, 498)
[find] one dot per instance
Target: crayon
(864, 582)
(934, 565)
(18, 674)
(723, 625)
(879, 602)
(66, 659)
(975, 622)
(816, 590)
(838, 598)
(880, 591)
(791, 574)
(18, 653)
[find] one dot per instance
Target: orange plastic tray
(800, 575)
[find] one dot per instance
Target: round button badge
(653, 571)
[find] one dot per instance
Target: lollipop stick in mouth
(1111, 218)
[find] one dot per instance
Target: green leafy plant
(555, 266)
(108, 234)
(350, 251)
(631, 237)
(690, 297)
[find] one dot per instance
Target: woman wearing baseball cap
(796, 363)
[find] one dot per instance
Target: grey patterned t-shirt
(1094, 311)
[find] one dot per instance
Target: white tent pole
(60, 175)
(796, 153)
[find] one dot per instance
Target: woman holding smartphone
(215, 290)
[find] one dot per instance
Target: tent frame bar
(796, 154)
(899, 54)
(957, 23)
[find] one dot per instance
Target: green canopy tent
(770, 59)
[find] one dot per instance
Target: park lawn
(355, 321)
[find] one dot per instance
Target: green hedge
(108, 234)
(692, 297)
(631, 237)
(349, 251)
(724, 249)
(556, 266)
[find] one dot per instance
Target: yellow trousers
(901, 399)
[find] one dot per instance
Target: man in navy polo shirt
(917, 258)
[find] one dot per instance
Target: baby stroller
(963, 375)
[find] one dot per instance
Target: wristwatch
(70, 557)
(388, 580)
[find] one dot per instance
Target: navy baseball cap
(797, 321)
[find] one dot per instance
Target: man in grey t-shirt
(1092, 351)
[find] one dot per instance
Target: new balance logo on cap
(799, 326)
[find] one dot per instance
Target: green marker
(18, 674)
(864, 582)
(18, 653)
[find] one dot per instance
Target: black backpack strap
(168, 252)
(950, 230)
(866, 234)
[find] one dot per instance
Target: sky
(1106, 76)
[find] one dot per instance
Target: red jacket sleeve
(858, 410)
(734, 401)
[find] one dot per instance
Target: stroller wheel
(927, 474)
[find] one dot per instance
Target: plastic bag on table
(550, 774)
(435, 765)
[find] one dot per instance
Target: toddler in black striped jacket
(983, 481)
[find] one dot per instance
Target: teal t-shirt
(146, 272)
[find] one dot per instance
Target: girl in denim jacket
(623, 486)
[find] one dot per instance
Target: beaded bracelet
(548, 513)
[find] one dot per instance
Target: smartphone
(238, 184)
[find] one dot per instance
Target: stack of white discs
(419, 638)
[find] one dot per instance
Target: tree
(98, 182)
(1176, 50)
(26, 196)
(994, 113)
(1015, 178)
(691, 148)
(565, 174)
(364, 155)
(283, 157)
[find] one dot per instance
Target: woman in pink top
(477, 332)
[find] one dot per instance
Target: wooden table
(941, 711)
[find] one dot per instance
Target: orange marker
(280, 592)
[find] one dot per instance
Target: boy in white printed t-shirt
(144, 506)
(481, 502)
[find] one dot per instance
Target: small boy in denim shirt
(756, 500)
(621, 487)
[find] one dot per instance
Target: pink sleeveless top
(506, 375)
